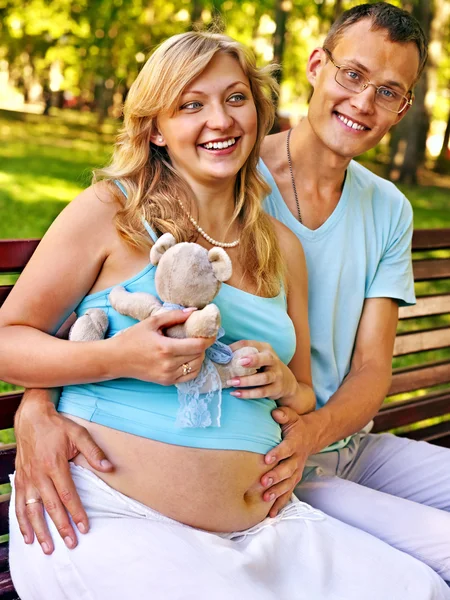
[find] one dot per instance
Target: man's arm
(350, 408)
(46, 441)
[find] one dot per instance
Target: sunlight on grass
(44, 163)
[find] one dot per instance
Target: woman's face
(213, 130)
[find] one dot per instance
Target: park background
(66, 66)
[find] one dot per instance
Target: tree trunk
(417, 120)
(282, 9)
(196, 11)
(337, 9)
(443, 161)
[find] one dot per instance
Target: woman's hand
(46, 441)
(275, 380)
(143, 351)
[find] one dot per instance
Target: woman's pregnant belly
(215, 490)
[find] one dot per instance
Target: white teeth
(350, 123)
(219, 145)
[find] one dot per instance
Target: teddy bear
(187, 275)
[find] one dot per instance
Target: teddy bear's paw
(89, 327)
(237, 370)
(138, 305)
(209, 318)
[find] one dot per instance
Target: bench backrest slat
(420, 341)
(14, 254)
(421, 376)
(9, 403)
(405, 413)
(427, 306)
(431, 239)
(4, 292)
(430, 269)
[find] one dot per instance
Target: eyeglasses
(354, 81)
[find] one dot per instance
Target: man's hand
(288, 458)
(46, 441)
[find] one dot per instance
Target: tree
(417, 122)
(443, 160)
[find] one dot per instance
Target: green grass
(44, 163)
(431, 205)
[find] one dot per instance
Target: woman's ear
(157, 138)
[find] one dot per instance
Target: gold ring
(32, 501)
(186, 368)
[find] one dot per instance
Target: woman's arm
(63, 269)
(82, 252)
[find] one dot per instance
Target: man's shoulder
(379, 196)
(369, 182)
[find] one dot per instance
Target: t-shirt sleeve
(394, 275)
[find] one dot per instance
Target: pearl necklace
(203, 233)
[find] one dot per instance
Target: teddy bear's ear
(221, 263)
(163, 243)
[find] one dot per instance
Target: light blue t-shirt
(363, 250)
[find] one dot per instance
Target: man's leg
(399, 492)
(417, 471)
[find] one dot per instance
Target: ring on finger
(186, 368)
(32, 501)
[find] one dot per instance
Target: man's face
(346, 122)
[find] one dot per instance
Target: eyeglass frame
(409, 99)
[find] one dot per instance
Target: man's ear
(316, 61)
(157, 138)
(403, 113)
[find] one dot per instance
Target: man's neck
(318, 172)
(315, 165)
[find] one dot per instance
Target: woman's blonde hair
(146, 172)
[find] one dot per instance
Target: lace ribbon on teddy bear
(201, 398)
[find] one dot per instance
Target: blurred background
(66, 66)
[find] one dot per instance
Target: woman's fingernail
(105, 463)
(234, 382)
(269, 482)
(26, 539)
(189, 309)
(270, 459)
(81, 527)
(237, 394)
(244, 361)
(271, 498)
(69, 542)
(45, 547)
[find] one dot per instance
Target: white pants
(133, 552)
(394, 488)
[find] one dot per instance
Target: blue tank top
(149, 410)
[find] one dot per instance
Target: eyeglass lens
(356, 82)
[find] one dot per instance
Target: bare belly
(215, 490)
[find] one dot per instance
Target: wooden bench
(424, 385)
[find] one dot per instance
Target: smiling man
(356, 231)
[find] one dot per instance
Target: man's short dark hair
(399, 24)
